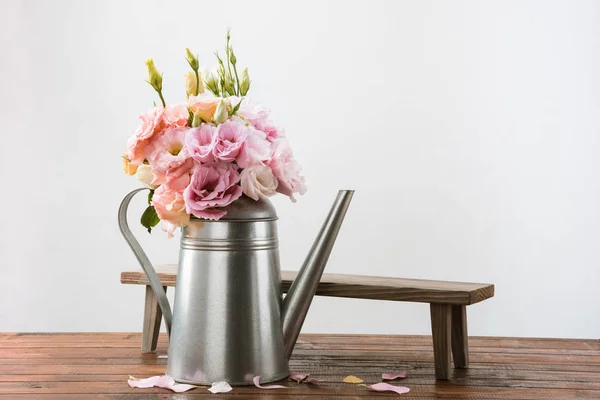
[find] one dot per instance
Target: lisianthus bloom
(166, 152)
(152, 123)
(230, 136)
(170, 208)
(144, 175)
(178, 178)
(212, 185)
(204, 106)
(258, 117)
(250, 111)
(286, 169)
(255, 149)
(271, 131)
(176, 115)
(200, 142)
(258, 181)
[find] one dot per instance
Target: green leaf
(236, 108)
(149, 218)
(150, 194)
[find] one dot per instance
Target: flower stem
(161, 98)
(237, 80)
(197, 82)
(227, 56)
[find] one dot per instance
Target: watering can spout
(297, 301)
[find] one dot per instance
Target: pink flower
(166, 152)
(258, 116)
(272, 131)
(170, 208)
(258, 181)
(176, 114)
(286, 169)
(252, 112)
(212, 185)
(201, 141)
(230, 136)
(255, 149)
(204, 105)
(178, 178)
(152, 123)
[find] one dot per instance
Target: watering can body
(229, 321)
(227, 311)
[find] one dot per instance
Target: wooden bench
(448, 301)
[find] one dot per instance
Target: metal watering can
(229, 321)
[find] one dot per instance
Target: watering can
(229, 320)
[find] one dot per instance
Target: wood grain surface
(96, 366)
(360, 287)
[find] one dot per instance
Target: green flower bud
(211, 81)
(229, 86)
(196, 121)
(192, 60)
(154, 77)
(232, 58)
(221, 113)
(244, 82)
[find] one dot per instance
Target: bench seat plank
(360, 287)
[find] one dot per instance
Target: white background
(469, 129)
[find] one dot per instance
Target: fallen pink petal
(256, 382)
(220, 387)
(298, 376)
(386, 387)
(164, 381)
(303, 378)
(391, 377)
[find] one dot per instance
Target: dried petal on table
(298, 376)
(352, 379)
(256, 381)
(386, 387)
(220, 387)
(303, 378)
(391, 377)
(164, 381)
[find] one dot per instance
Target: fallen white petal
(256, 381)
(164, 381)
(220, 387)
(143, 383)
(386, 387)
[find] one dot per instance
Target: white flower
(258, 181)
(144, 175)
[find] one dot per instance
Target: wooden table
(96, 366)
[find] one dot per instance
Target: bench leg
(152, 320)
(460, 338)
(441, 321)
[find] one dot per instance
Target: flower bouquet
(200, 155)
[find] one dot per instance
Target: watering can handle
(142, 258)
